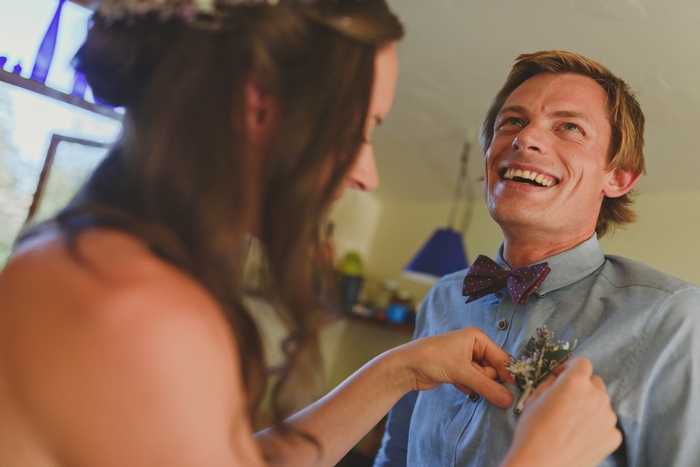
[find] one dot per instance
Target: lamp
(444, 251)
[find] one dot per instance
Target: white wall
(356, 218)
(666, 236)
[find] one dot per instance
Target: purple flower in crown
(537, 361)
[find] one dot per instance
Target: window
(33, 115)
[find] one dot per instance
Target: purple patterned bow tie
(486, 277)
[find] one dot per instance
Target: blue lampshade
(442, 254)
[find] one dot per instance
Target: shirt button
(474, 397)
(502, 325)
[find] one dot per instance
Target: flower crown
(186, 10)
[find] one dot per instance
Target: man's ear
(620, 182)
(261, 108)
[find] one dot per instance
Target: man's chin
(520, 218)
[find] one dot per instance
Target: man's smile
(529, 176)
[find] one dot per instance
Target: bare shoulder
(106, 262)
(109, 285)
(120, 358)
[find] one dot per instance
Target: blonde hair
(626, 119)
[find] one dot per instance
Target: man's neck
(521, 251)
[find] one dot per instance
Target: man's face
(546, 166)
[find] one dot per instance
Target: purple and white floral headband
(186, 10)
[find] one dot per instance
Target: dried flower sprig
(537, 361)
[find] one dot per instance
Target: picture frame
(77, 157)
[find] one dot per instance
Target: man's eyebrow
(558, 114)
(512, 108)
(572, 114)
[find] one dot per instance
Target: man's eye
(570, 127)
(511, 121)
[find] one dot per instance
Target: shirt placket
(497, 329)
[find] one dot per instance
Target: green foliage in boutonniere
(537, 362)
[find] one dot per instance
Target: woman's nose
(363, 173)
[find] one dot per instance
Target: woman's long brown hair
(177, 176)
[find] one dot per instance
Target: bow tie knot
(485, 277)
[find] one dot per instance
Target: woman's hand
(567, 421)
(467, 358)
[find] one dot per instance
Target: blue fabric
(639, 327)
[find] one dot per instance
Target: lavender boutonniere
(537, 362)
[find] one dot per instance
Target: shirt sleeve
(660, 406)
(394, 447)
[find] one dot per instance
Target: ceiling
(457, 53)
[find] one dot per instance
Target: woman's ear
(620, 182)
(261, 109)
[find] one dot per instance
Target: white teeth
(528, 175)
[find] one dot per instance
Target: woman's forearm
(340, 419)
(466, 358)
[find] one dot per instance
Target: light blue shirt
(639, 327)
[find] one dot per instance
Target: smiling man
(564, 147)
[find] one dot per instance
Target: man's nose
(529, 138)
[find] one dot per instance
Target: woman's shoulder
(114, 328)
(108, 284)
(102, 267)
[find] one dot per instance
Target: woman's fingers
(466, 358)
(582, 366)
(485, 369)
(598, 381)
(543, 386)
(568, 420)
(489, 354)
(489, 389)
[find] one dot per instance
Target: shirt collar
(567, 267)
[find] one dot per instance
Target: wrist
(399, 370)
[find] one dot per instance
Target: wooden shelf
(40, 88)
(400, 327)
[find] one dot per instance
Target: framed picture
(68, 163)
